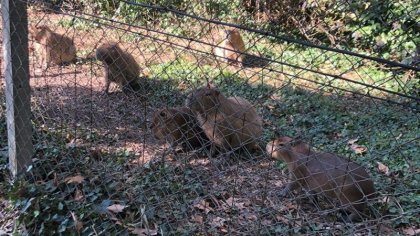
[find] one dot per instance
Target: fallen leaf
(75, 143)
(74, 179)
(144, 232)
(251, 217)
(358, 149)
(78, 196)
(230, 201)
(236, 203)
(411, 231)
(224, 230)
(266, 222)
(271, 107)
(217, 222)
(116, 208)
(79, 225)
(197, 219)
(383, 168)
(203, 205)
(352, 141)
(171, 157)
(288, 206)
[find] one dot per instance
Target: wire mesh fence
(219, 117)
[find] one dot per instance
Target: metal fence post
(16, 73)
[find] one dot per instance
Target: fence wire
(240, 117)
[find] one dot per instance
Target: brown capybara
(119, 67)
(230, 123)
(178, 126)
(342, 181)
(51, 47)
(232, 47)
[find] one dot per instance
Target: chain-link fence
(234, 117)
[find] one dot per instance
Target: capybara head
(163, 124)
(282, 146)
(108, 52)
(204, 99)
(39, 32)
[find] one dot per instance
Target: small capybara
(233, 47)
(119, 67)
(230, 123)
(53, 48)
(329, 175)
(178, 126)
